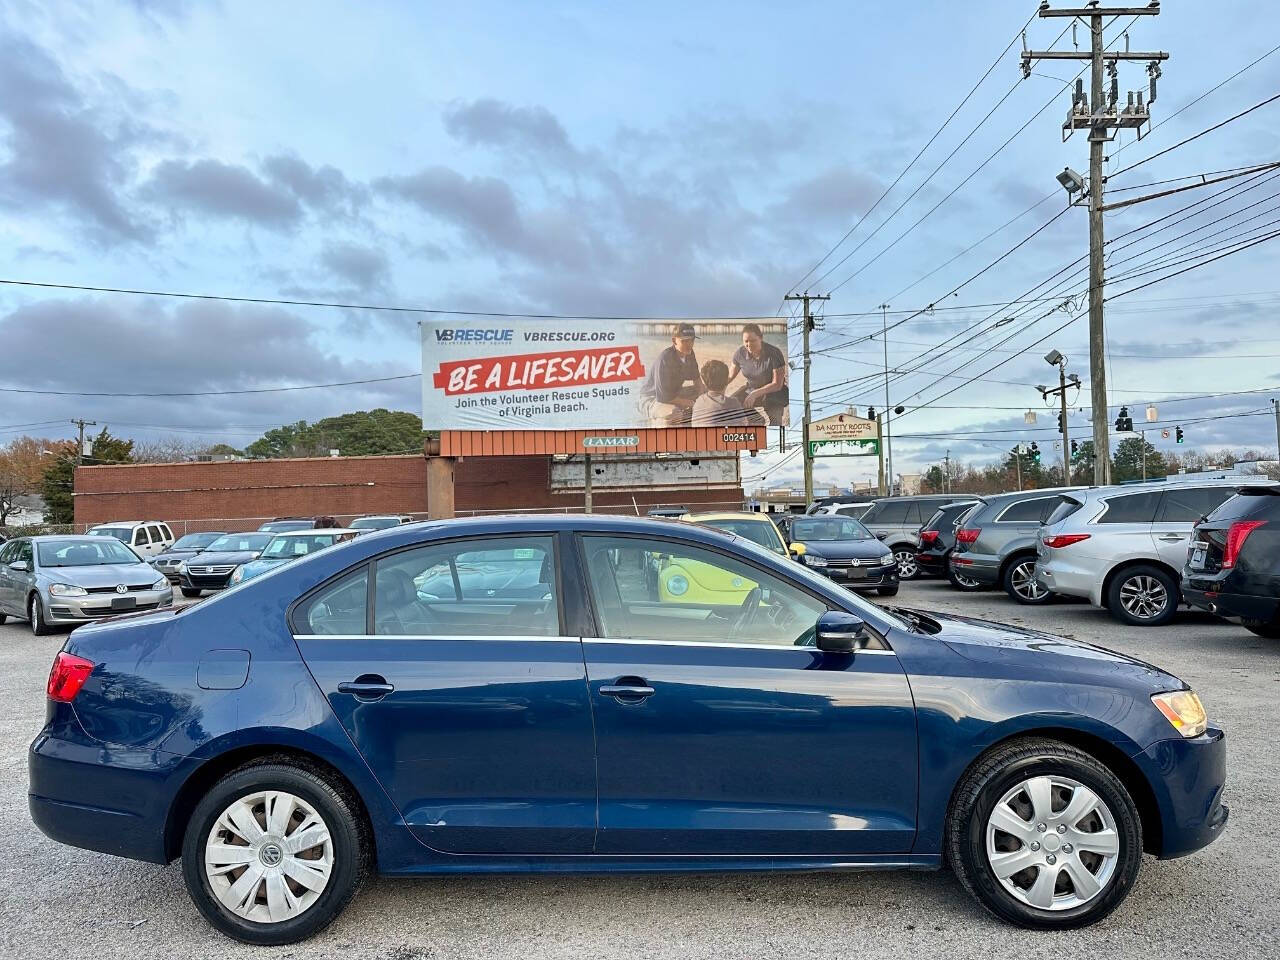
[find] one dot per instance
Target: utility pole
(888, 443)
(80, 443)
(1017, 459)
(1100, 116)
(946, 473)
(807, 452)
(586, 483)
(1054, 358)
(1275, 405)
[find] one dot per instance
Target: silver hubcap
(1024, 582)
(35, 613)
(1144, 597)
(964, 581)
(268, 857)
(906, 563)
(1052, 843)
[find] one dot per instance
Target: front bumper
(99, 606)
(860, 577)
(1188, 778)
(205, 581)
(977, 566)
(111, 799)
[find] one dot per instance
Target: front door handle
(368, 686)
(627, 690)
(1172, 537)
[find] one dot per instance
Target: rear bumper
(977, 566)
(1188, 778)
(932, 563)
(1208, 596)
(1069, 580)
(110, 799)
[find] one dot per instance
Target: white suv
(1123, 548)
(148, 538)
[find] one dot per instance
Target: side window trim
(1020, 503)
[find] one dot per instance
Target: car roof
(1001, 498)
(311, 532)
(65, 537)
(127, 523)
(725, 515)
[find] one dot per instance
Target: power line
(209, 393)
(1197, 136)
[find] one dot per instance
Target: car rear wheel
(191, 592)
(273, 853)
(1044, 836)
(3, 618)
(1263, 628)
(35, 613)
(1019, 581)
(908, 568)
(961, 582)
(1143, 596)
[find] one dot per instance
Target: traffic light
(871, 413)
(1124, 422)
(1075, 449)
(1177, 434)
(1062, 422)
(1035, 452)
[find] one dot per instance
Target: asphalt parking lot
(1221, 902)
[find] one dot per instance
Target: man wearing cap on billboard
(673, 382)
(764, 368)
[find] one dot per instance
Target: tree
(358, 434)
(57, 482)
(21, 468)
(109, 449)
(1127, 462)
(933, 480)
(1082, 465)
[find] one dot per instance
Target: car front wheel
(35, 614)
(1143, 596)
(908, 568)
(1044, 835)
(273, 853)
(1019, 582)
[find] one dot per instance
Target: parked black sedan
(186, 547)
(846, 551)
(1233, 561)
(212, 568)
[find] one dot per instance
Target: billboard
(843, 435)
(591, 374)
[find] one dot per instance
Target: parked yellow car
(683, 580)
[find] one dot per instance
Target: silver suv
(897, 521)
(1123, 547)
(996, 545)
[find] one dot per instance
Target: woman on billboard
(764, 368)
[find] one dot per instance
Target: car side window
(140, 538)
(166, 533)
(1189, 505)
(892, 513)
(1131, 508)
(156, 535)
(23, 552)
(499, 586)
(340, 608)
(1026, 510)
(651, 589)
(7, 552)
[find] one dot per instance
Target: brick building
(240, 494)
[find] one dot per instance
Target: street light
(1071, 181)
(1053, 358)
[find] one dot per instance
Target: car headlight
(160, 584)
(813, 560)
(67, 590)
(237, 574)
(677, 585)
(1183, 709)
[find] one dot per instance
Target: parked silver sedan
(51, 581)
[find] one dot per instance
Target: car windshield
(240, 543)
(374, 523)
(286, 548)
(757, 531)
(829, 528)
(195, 541)
(83, 553)
(123, 534)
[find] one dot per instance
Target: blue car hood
(848, 549)
(1035, 652)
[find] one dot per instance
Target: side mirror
(881, 536)
(839, 632)
(20, 565)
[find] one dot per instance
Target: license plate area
(1199, 551)
(123, 603)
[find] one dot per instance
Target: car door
(1180, 508)
(20, 582)
(458, 684)
(7, 552)
(141, 542)
(720, 732)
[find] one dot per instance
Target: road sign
(628, 441)
(844, 448)
(1164, 434)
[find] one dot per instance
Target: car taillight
(1237, 534)
(928, 538)
(67, 676)
(968, 536)
(1064, 539)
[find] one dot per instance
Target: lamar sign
(844, 435)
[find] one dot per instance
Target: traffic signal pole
(1066, 443)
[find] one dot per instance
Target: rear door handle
(366, 687)
(627, 690)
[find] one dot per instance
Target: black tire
(1001, 770)
(1270, 629)
(905, 554)
(968, 586)
(341, 815)
(1023, 591)
(3, 618)
(35, 613)
(1126, 589)
(888, 591)
(191, 592)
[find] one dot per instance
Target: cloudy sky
(641, 159)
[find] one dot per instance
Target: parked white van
(148, 538)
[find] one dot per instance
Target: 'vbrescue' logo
(466, 335)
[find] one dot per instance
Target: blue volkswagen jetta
(514, 694)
